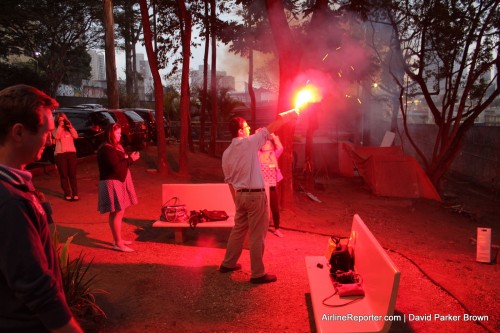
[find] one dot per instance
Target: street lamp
(35, 58)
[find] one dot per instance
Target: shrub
(78, 287)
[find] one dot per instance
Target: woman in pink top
(268, 157)
(65, 156)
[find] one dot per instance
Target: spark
(326, 55)
(352, 67)
(359, 101)
(340, 75)
(338, 48)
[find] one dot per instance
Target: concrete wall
(480, 156)
(478, 161)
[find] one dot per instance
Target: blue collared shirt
(240, 161)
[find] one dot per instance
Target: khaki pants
(252, 215)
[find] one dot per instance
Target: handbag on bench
(174, 211)
(214, 215)
(206, 215)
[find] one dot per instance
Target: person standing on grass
(241, 167)
(65, 156)
(32, 297)
(268, 157)
(116, 189)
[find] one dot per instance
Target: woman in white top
(65, 156)
(268, 158)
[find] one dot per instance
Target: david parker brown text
(404, 317)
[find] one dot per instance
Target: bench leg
(179, 235)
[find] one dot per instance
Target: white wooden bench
(380, 282)
(215, 196)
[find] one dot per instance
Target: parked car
(137, 126)
(149, 117)
(90, 125)
(89, 106)
(131, 135)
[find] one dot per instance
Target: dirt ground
(165, 287)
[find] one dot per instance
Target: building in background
(145, 84)
(96, 86)
(223, 80)
(261, 95)
(98, 65)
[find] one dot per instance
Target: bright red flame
(308, 94)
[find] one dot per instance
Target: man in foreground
(241, 167)
(31, 291)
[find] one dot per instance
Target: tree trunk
(158, 89)
(251, 92)
(135, 78)
(289, 54)
(185, 20)
(309, 161)
(190, 131)
(109, 46)
(213, 81)
(135, 38)
(441, 163)
(129, 74)
(55, 72)
(309, 167)
(316, 32)
(395, 112)
(205, 80)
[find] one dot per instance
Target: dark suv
(122, 120)
(132, 133)
(149, 117)
(137, 126)
(90, 125)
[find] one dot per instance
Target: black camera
(340, 258)
(195, 218)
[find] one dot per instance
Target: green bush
(79, 287)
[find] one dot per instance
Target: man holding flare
(241, 167)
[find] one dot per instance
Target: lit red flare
(306, 95)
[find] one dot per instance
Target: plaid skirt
(115, 195)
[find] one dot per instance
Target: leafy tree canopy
(447, 53)
(169, 29)
(52, 32)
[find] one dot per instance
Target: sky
(232, 64)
